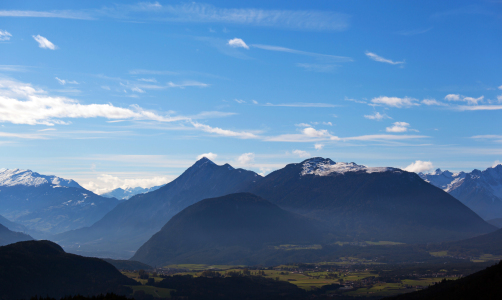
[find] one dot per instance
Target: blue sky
(132, 93)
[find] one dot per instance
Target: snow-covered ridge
(324, 166)
(15, 177)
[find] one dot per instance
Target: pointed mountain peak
(203, 161)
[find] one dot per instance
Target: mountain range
(370, 203)
(49, 204)
(125, 228)
(481, 191)
(125, 194)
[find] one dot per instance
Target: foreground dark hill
(124, 229)
(49, 204)
(371, 203)
(231, 229)
(481, 191)
(484, 285)
(8, 237)
(43, 268)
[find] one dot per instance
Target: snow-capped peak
(324, 166)
(12, 177)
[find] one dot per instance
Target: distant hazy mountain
(380, 203)
(481, 191)
(8, 237)
(12, 225)
(124, 229)
(48, 203)
(227, 230)
(125, 194)
(496, 222)
(42, 268)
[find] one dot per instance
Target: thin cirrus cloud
(378, 58)
(302, 105)
(395, 101)
(377, 116)
(321, 68)
(64, 14)
(224, 132)
(24, 104)
(4, 35)
(313, 20)
(36, 107)
(326, 57)
(430, 102)
(44, 43)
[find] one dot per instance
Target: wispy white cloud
(21, 103)
(469, 100)
(383, 137)
(377, 116)
(398, 127)
(237, 43)
(210, 156)
(478, 107)
(301, 153)
(105, 183)
(187, 84)
(302, 105)
(23, 135)
(327, 57)
(44, 43)
(246, 158)
(13, 68)
(500, 87)
(4, 35)
(64, 14)
(419, 166)
(205, 13)
(430, 102)
(153, 80)
(355, 100)
(240, 101)
(152, 72)
(254, 101)
(378, 58)
(224, 132)
(308, 134)
(395, 101)
(318, 146)
(321, 68)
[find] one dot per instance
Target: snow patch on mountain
(324, 166)
(14, 177)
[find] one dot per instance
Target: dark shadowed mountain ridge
(8, 237)
(370, 203)
(134, 221)
(43, 268)
(49, 204)
(228, 229)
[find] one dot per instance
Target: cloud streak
(378, 58)
(328, 57)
